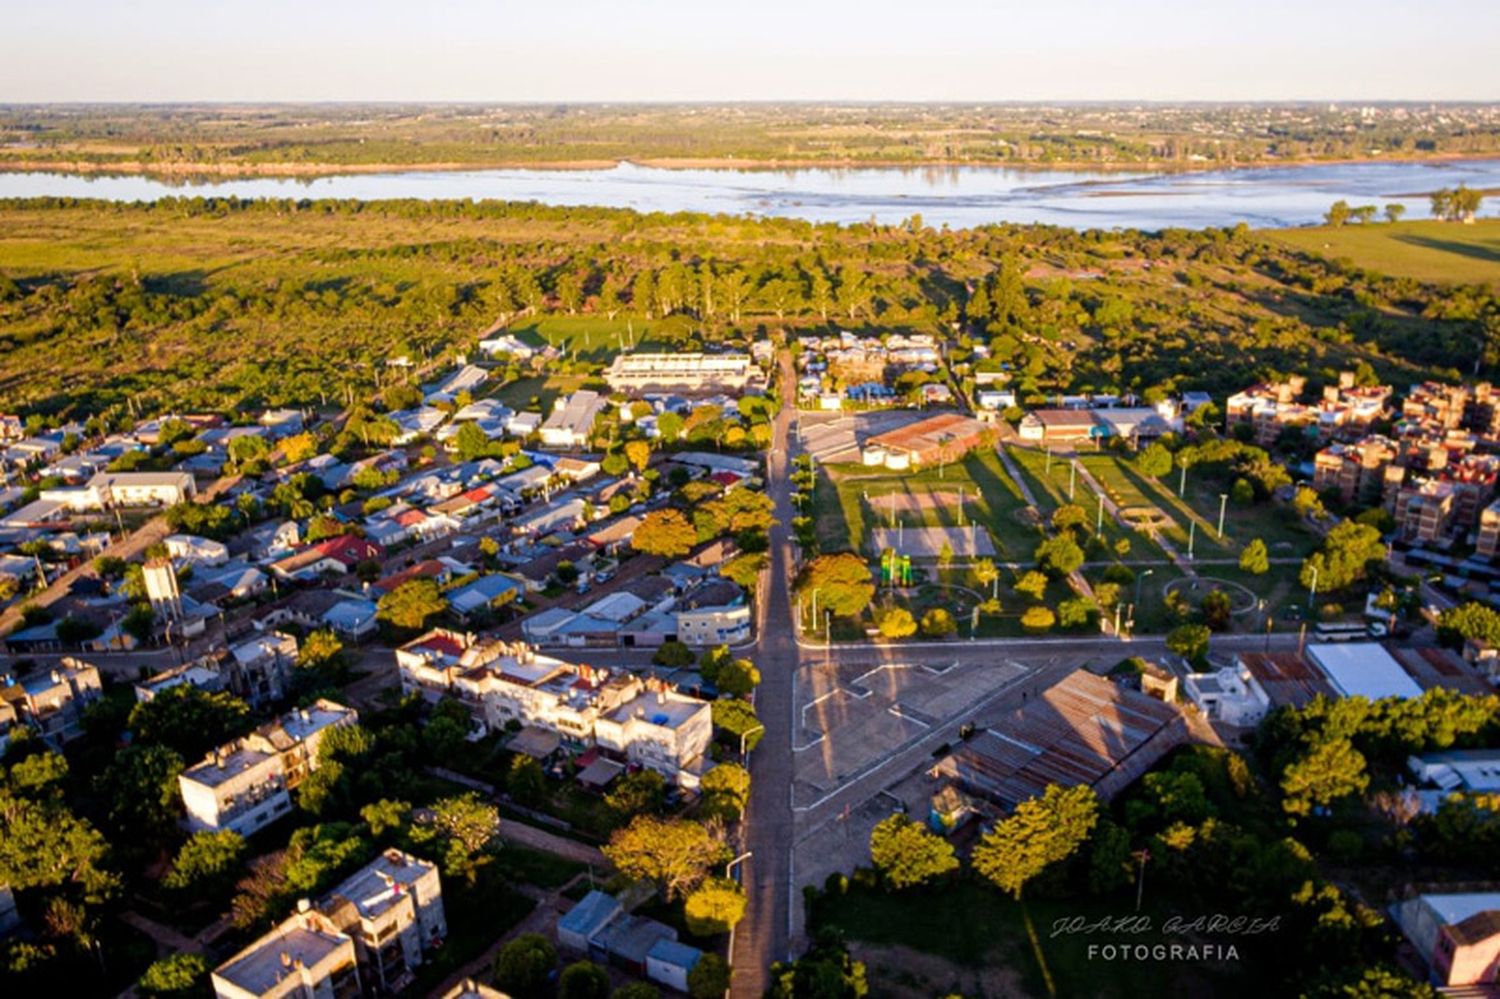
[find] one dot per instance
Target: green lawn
(1426, 250)
(1054, 484)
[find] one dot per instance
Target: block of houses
(305, 957)
(52, 702)
(245, 784)
(127, 489)
(336, 556)
(1058, 426)
(392, 908)
(1356, 472)
(600, 928)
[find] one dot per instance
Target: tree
(638, 453)
(737, 678)
(826, 971)
(463, 826)
(140, 785)
(641, 793)
(636, 990)
(727, 789)
(1038, 619)
(523, 966)
(385, 816)
(674, 853)
(412, 604)
(1060, 555)
(1338, 213)
(1217, 608)
(1155, 461)
(1032, 584)
(1394, 211)
(583, 980)
(1040, 832)
(666, 533)
(737, 719)
(938, 623)
(906, 854)
(44, 845)
(177, 975)
(674, 654)
(189, 720)
(1467, 621)
(1190, 641)
(842, 582)
(1255, 559)
(1348, 552)
(714, 906)
(207, 863)
(1331, 772)
(1069, 516)
(896, 622)
(709, 978)
(986, 573)
(525, 781)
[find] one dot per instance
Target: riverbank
(189, 171)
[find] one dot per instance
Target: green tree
(189, 720)
(737, 678)
(1338, 213)
(1040, 832)
(524, 965)
(737, 719)
(1217, 609)
(674, 654)
(583, 980)
(714, 906)
(896, 622)
(1069, 516)
(1155, 461)
(525, 781)
(1331, 772)
(1190, 641)
(177, 975)
(1470, 620)
(906, 854)
(666, 533)
(709, 978)
(1255, 559)
(842, 582)
(140, 786)
(1394, 211)
(674, 853)
(1038, 619)
(636, 990)
(726, 788)
(1032, 584)
(1348, 552)
(385, 816)
(207, 863)
(938, 623)
(464, 827)
(643, 792)
(1060, 555)
(412, 604)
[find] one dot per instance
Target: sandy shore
(191, 170)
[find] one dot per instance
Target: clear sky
(617, 50)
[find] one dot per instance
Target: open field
(1428, 251)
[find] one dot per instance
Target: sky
(748, 50)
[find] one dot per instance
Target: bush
(896, 622)
(1038, 619)
(674, 654)
(523, 966)
(938, 623)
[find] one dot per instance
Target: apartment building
(52, 702)
(245, 785)
(1488, 542)
(504, 682)
(260, 669)
(1426, 511)
(1355, 471)
(686, 372)
(1345, 410)
(306, 957)
(1474, 408)
(113, 489)
(392, 908)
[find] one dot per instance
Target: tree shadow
(1471, 250)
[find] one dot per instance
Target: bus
(1341, 632)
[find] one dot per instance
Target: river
(954, 196)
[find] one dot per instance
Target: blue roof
(675, 953)
(589, 915)
(352, 611)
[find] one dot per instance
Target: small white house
(1231, 695)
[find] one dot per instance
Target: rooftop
(1363, 669)
(258, 968)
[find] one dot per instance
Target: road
(765, 934)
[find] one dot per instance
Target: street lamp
(730, 866)
(1138, 580)
(745, 735)
(1223, 500)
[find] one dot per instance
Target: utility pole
(1072, 478)
(1099, 516)
(1223, 500)
(1192, 537)
(1182, 482)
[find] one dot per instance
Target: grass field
(1427, 251)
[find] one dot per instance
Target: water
(956, 196)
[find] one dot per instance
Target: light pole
(1072, 478)
(729, 867)
(1182, 482)
(727, 876)
(743, 736)
(1138, 580)
(1223, 501)
(1312, 592)
(1099, 516)
(1192, 537)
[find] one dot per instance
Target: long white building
(642, 372)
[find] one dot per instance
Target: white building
(688, 372)
(306, 957)
(701, 626)
(1231, 695)
(661, 730)
(262, 667)
(392, 908)
(142, 488)
(1362, 669)
(200, 551)
(572, 419)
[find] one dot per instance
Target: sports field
(1427, 251)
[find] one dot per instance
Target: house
(194, 550)
(580, 925)
(282, 422)
(1058, 426)
(352, 617)
(1231, 695)
(670, 962)
(465, 379)
(726, 624)
(52, 702)
(416, 423)
(572, 420)
(1286, 677)
(244, 785)
(942, 438)
(142, 488)
(392, 908)
(507, 344)
(305, 957)
(1457, 933)
(484, 594)
(661, 730)
(335, 555)
(203, 674)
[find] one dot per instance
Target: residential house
(305, 957)
(1457, 934)
(572, 420)
(392, 908)
(335, 555)
(52, 702)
